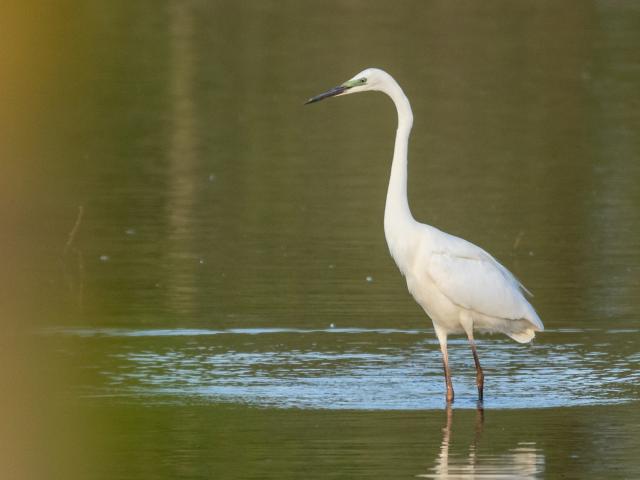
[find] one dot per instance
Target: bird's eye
(363, 80)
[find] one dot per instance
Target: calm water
(195, 281)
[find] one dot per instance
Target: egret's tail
(523, 336)
(524, 330)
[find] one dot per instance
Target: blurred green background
(158, 170)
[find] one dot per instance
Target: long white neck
(397, 215)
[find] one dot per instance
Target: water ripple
(346, 368)
(190, 332)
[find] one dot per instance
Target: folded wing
(473, 279)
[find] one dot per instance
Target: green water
(195, 280)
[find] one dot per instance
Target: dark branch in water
(74, 230)
(75, 286)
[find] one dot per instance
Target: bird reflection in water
(525, 461)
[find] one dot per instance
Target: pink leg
(447, 374)
(466, 320)
(442, 338)
(479, 373)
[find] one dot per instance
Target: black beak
(334, 91)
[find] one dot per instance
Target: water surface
(195, 282)
(356, 369)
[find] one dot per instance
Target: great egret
(461, 287)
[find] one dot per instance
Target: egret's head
(368, 79)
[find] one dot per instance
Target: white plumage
(459, 285)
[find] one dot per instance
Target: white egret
(461, 287)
